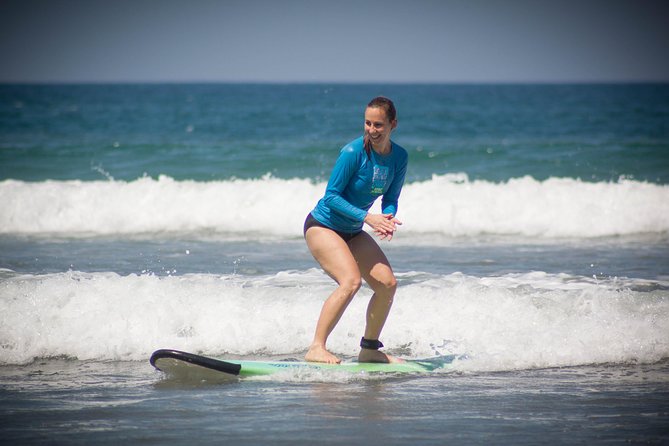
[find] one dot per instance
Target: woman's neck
(383, 149)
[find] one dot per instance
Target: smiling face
(378, 128)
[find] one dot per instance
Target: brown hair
(387, 106)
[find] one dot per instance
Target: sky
(461, 41)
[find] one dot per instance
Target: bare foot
(367, 355)
(318, 353)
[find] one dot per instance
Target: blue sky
(334, 41)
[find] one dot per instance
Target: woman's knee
(350, 285)
(392, 284)
(387, 286)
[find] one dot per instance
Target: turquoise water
(535, 248)
(214, 132)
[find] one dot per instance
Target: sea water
(534, 249)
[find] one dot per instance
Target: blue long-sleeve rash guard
(357, 181)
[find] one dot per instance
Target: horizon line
(332, 82)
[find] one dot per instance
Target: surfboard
(180, 364)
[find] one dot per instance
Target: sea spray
(448, 204)
(154, 205)
(556, 207)
(497, 323)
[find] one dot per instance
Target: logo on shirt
(379, 179)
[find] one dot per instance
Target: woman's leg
(378, 273)
(334, 256)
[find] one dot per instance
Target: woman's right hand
(384, 225)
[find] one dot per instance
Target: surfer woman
(367, 168)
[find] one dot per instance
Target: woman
(368, 167)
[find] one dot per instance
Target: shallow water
(83, 402)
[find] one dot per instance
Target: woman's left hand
(384, 225)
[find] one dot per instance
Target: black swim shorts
(311, 221)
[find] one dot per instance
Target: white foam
(147, 205)
(498, 323)
(556, 207)
(449, 204)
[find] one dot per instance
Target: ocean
(534, 249)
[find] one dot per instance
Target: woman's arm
(346, 166)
